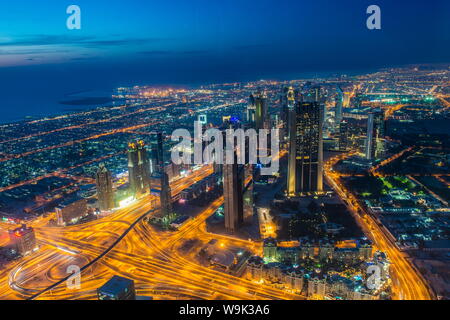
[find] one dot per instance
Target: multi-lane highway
(123, 243)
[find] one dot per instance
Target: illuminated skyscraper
(251, 111)
(247, 191)
(238, 193)
(232, 192)
(258, 103)
(375, 134)
(166, 192)
(138, 168)
(157, 150)
(314, 93)
(104, 183)
(292, 146)
(343, 136)
(305, 142)
(338, 106)
(287, 103)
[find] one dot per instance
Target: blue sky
(327, 32)
(199, 41)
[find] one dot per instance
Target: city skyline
(226, 151)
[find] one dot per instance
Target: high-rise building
(305, 161)
(375, 134)
(287, 103)
(232, 193)
(339, 100)
(238, 192)
(292, 147)
(259, 102)
(343, 143)
(247, 191)
(117, 288)
(138, 168)
(157, 156)
(314, 93)
(105, 192)
(165, 196)
(23, 240)
(251, 111)
(370, 150)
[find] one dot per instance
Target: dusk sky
(200, 41)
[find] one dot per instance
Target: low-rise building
(70, 211)
(23, 240)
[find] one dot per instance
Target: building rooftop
(116, 285)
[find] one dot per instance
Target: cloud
(82, 41)
(60, 48)
(168, 52)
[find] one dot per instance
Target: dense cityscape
(92, 205)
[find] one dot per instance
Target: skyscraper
(104, 183)
(305, 162)
(238, 192)
(166, 192)
(370, 150)
(251, 111)
(247, 198)
(157, 150)
(339, 100)
(292, 147)
(232, 192)
(258, 102)
(138, 168)
(314, 93)
(375, 134)
(343, 142)
(287, 103)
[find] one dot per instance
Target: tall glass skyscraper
(259, 103)
(138, 168)
(305, 161)
(339, 100)
(237, 191)
(165, 196)
(104, 183)
(375, 134)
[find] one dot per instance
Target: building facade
(105, 193)
(23, 240)
(138, 168)
(305, 162)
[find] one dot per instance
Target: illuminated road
(122, 243)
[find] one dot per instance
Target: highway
(124, 243)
